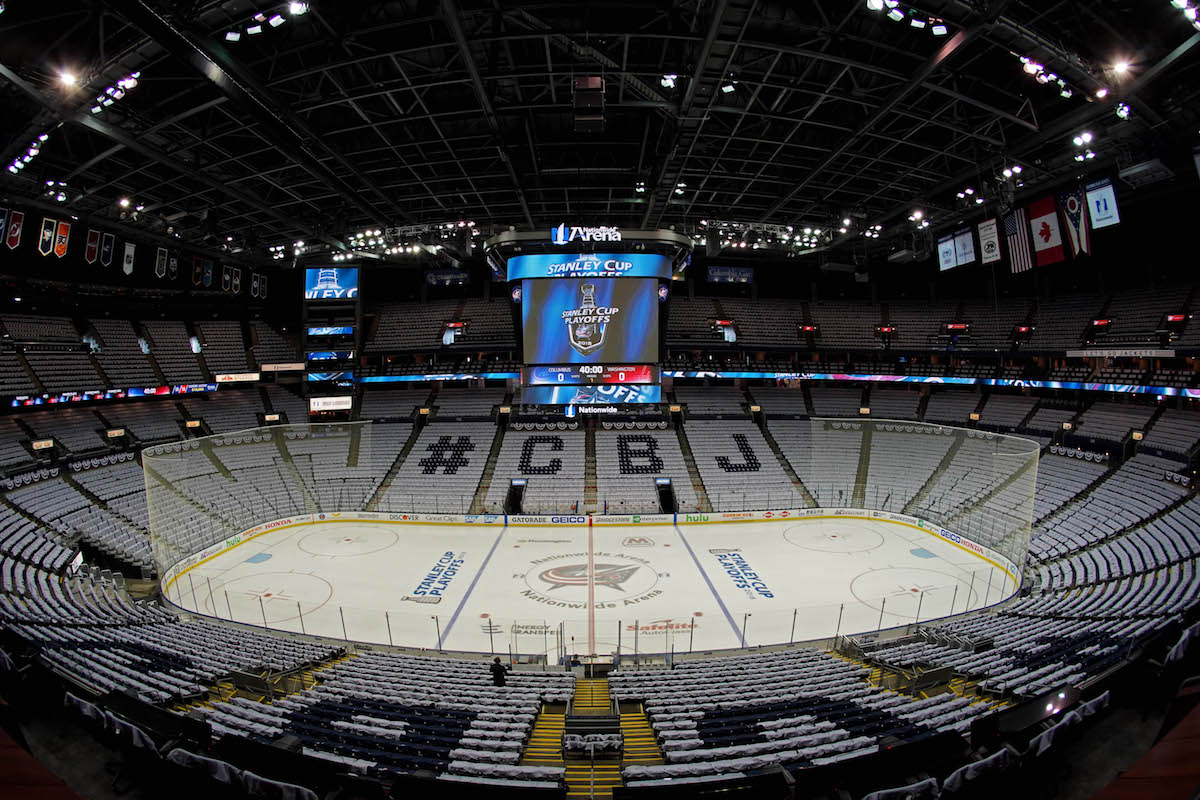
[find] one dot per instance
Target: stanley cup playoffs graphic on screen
(590, 320)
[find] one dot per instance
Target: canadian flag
(1047, 238)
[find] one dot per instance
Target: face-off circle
(833, 538)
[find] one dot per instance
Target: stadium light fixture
(1101, 93)
(939, 29)
(1123, 110)
(67, 78)
(232, 36)
(123, 202)
(896, 15)
(874, 5)
(1121, 67)
(275, 21)
(296, 8)
(254, 29)
(668, 81)
(917, 23)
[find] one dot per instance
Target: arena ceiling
(411, 112)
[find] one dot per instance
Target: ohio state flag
(1047, 238)
(12, 235)
(92, 251)
(1077, 221)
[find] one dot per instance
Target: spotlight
(67, 78)
(668, 81)
(727, 88)
(939, 29)
(1121, 67)
(1101, 93)
(297, 8)
(275, 21)
(232, 36)
(1123, 110)
(123, 202)
(917, 22)
(896, 15)
(875, 5)
(846, 221)
(254, 29)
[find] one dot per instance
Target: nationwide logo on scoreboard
(565, 234)
(586, 325)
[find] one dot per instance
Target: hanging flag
(61, 238)
(964, 247)
(1017, 233)
(4, 218)
(237, 281)
(160, 263)
(173, 266)
(262, 287)
(1047, 239)
(46, 242)
(946, 253)
(12, 236)
(208, 273)
(107, 245)
(127, 264)
(197, 270)
(92, 251)
(989, 241)
(1102, 204)
(254, 284)
(1077, 225)
(226, 277)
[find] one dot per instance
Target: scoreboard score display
(586, 374)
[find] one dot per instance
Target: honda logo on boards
(565, 234)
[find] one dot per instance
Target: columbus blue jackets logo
(611, 575)
(587, 324)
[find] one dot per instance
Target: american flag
(1016, 228)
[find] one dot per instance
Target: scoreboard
(587, 374)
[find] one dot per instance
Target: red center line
(591, 592)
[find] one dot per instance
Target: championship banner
(12, 235)
(964, 247)
(173, 266)
(262, 287)
(127, 263)
(160, 263)
(92, 251)
(1077, 224)
(989, 241)
(46, 240)
(226, 277)
(1102, 204)
(197, 270)
(254, 284)
(62, 238)
(208, 270)
(1047, 239)
(236, 283)
(946, 253)
(108, 244)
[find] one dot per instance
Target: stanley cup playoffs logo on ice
(586, 325)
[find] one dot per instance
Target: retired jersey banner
(1047, 238)
(108, 244)
(46, 240)
(964, 247)
(127, 263)
(92, 251)
(1076, 221)
(173, 266)
(236, 283)
(12, 234)
(62, 238)
(160, 263)
(197, 270)
(989, 241)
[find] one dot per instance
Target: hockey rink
(653, 588)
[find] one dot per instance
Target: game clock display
(586, 374)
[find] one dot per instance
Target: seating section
(711, 400)
(489, 323)
(836, 401)
(738, 468)
(171, 346)
(951, 406)
(917, 325)
(1175, 432)
(1137, 314)
(147, 420)
(1006, 411)
(284, 401)
(797, 708)
(627, 464)
(272, 346)
(77, 430)
(1112, 422)
(764, 322)
(901, 462)
(1125, 498)
(462, 403)
(442, 471)
(846, 324)
(1059, 480)
(993, 325)
(552, 464)
(121, 355)
(1049, 419)
(222, 346)
(410, 326)
(389, 714)
(894, 403)
(824, 455)
(14, 380)
(226, 410)
(690, 322)
(1061, 323)
(391, 403)
(779, 401)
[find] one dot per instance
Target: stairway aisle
(641, 746)
(544, 748)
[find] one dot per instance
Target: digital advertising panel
(589, 265)
(590, 321)
(331, 330)
(331, 283)
(600, 394)
(578, 374)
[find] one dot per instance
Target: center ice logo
(612, 575)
